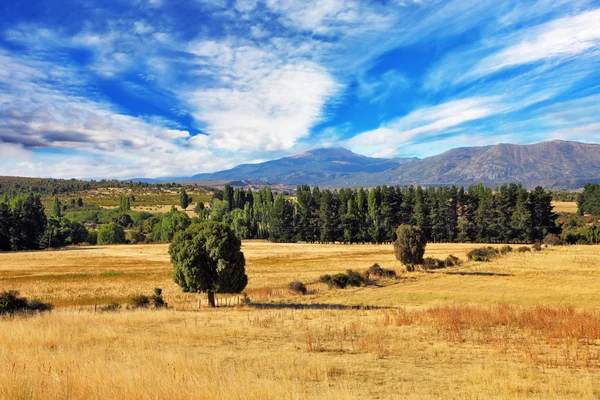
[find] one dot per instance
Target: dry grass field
(565, 207)
(521, 326)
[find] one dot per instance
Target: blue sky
(153, 88)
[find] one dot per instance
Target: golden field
(565, 207)
(521, 326)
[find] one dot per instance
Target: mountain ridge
(551, 164)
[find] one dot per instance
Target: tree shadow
(476, 273)
(318, 306)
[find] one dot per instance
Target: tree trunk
(211, 299)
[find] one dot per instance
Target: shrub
(92, 237)
(326, 279)
(482, 254)
(523, 249)
(552, 240)
(157, 299)
(433, 263)
(135, 237)
(452, 261)
(537, 247)
(298, 287)
(376, 270)
(506, 249)
(11, 303)
(340, 280)
(354, 278)
(111, 233)
(141, 301)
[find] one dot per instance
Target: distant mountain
(312, 167)
(553, 165)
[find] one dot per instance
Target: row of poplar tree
(446, 214)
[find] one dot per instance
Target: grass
(520, 326)
(569, 207)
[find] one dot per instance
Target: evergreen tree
(184, 200)
(544, 219)
(28, 222)
(281, 221)
(228, 197)
(207, 257)
(5, 226)
(56, 208)
(409, 246)
(521, 222)
(329, 217)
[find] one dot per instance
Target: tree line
(445, 214)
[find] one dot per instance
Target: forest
(508, 214)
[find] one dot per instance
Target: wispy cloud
(560, 39)
(127, 87)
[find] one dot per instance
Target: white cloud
(421, 123)
(562, 38)
(34, 115)
(261, 102)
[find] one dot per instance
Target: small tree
(207, 257)
(410, 246)
(184, 200)
(56, 209)
(111, 233)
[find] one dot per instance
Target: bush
(135, 237)
(452, 261)
(433, 263)
(354, 278)
(298, 287)
(482, 254)
(552, 240)
(111, 233)
(141, 301)
(377, 271)
(11, 303)
(537, 247)
(326, 279)
(523, 249)
(157, 299)
(92, 237)
(340, 280)
(506, 249)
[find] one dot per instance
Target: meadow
(523, 325)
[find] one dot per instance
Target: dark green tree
(409, 246)
(281, 221)
(207, 257)
(28, 222)
(184, 200)
(5, 226)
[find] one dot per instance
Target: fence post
(95, 308)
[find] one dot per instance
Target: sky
(157, 88)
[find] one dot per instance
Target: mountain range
(553, 165)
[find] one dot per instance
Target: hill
(553, 165)
(312, 167)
